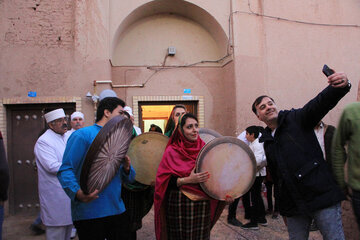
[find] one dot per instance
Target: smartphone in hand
(327, 71)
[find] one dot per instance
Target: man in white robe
(54, 203)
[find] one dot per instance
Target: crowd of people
(299, 159)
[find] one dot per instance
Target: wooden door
(25, 123)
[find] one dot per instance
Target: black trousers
(269, 191)
(257, 208)
(114, 227)
(246, 205)
(232, 208)
(356, 205)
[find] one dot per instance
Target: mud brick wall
(37, 46)
(44, 23)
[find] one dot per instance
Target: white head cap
(129, 110)
(77, 114)
(107, 93)
(55, 114)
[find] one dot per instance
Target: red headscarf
(178, 160)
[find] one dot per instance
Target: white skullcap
(129, 110)
(77, 114)
(107, 93)
(55, 114)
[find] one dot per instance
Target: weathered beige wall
(140, 42)
(284, 58)
(58, 48)
(145, 42)
(207, 13)
(214, 83)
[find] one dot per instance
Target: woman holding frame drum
(182, 209)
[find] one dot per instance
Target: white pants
(58, 232)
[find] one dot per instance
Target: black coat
(295, 158)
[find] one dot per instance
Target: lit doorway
(158, 113)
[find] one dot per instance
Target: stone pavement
(17, 228)
(222, 231)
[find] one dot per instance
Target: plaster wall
(145, 42)
(199, 31)
(283, 58)
(58, 48)
(55, 48)
(214, 84)
(124, 13)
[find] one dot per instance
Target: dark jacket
(4, 172)
(295, 158)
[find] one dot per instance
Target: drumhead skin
(232, 167)
(105, 155)
(207, 134)
(145, 152)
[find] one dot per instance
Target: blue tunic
(109, 202)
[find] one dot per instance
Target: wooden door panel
(25, 123)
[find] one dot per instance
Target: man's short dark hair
(258, 101)
(109, 103)
(253, 130)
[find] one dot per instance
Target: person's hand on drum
(193, 178)
(198, 177)
(82, 197)
(126, 164)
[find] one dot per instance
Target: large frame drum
(145, 152)
(208, 134)
(232, 167)
(106, 154)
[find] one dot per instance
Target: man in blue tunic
(96, 215)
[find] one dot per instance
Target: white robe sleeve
(46, 156)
